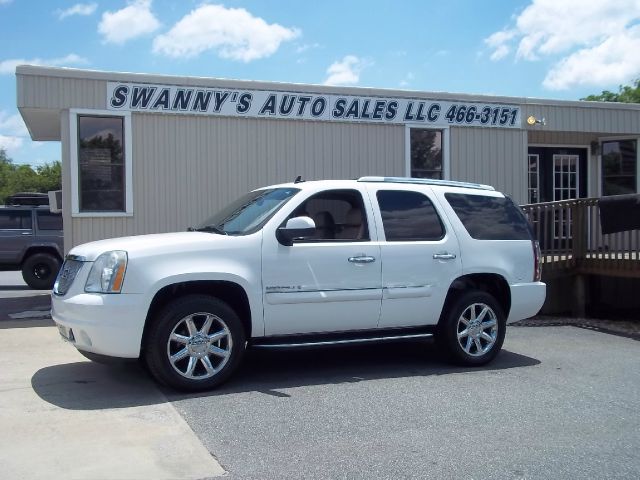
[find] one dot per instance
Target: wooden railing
(571, 240)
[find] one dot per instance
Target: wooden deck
(572, 242)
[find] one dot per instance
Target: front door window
(565, 177)
(565, 187)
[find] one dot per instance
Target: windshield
(249, 213)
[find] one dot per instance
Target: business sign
(227, 102)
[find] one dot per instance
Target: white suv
(307, 263)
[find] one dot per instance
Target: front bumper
(109, 325)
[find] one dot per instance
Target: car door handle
(444, 256)
(362, 259)
(25, 233)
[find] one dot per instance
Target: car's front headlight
(107, 273)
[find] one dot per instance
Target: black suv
(31, 240)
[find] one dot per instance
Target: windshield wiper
(208, 228)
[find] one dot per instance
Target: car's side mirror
(297, 227)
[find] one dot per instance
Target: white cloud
(233, 33)
(306, 46)
(9, 66)
(83, 9)
(583, 34)
(10, 143)
(499, 42)
(12, 125)
(616, 60)
(346, 71)
(135, 20)
(12, 131)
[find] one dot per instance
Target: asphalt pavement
(18, 303)
(558, 402)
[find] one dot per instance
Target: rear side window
(408, 216)
(490, 218)
(15, 219)
(48, 220)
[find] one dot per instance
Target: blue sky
(563, 49)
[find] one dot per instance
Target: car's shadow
(90, 386)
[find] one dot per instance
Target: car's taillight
(537, 261)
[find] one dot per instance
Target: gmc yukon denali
(307, 264)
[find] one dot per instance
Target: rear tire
(472, 332)
(195, 344)
(39, 270)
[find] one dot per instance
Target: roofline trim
(62, 72)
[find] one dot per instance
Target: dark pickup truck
(31, 240)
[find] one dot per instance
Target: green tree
(3, 157)
(23, 178)
(626, 94)
(50, 175)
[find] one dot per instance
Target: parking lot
(558, 402)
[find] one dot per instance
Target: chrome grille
(66, 276)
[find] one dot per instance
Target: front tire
(195, 344)
(39, 271)
(472, 332)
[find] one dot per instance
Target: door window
(408, 216)
(339, 216)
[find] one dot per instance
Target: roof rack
(427, 181)
(28, 199)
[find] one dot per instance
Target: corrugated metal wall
(537, 137)
(601, 118)
(186, 167)
(492, 156)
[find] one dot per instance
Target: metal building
(150, 153)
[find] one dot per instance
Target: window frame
(446, 169)
(74, 115)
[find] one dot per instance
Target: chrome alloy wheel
(477, 329)
(199, 346)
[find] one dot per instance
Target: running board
(283, 342)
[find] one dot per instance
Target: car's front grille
(67, 275)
